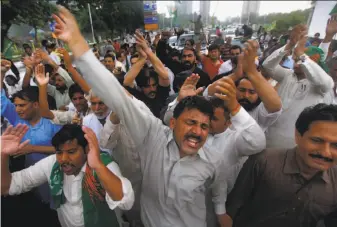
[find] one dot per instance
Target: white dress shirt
(295, 95)
(225, 67)
(71, 212)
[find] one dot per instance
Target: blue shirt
(39, 134)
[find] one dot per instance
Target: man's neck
(36, 119)
(306, 171)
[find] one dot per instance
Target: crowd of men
(145, 135)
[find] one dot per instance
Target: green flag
(333, 11)
(174, 14)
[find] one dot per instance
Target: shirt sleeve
(272, 65)
(67, 79)
(219, 189)
(105, 85)
(31, 177)
(128, 194)
(263, 118)
(250, 139)
(317, 76)
(8, 109)
(51, 90)
(245, 183)
(62, 117)
(325, 48)
(169, 112)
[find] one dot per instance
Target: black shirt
(156, 104)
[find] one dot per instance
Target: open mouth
(192, 142)
(320, 159)
(67, 168)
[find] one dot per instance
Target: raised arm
(271, 64)
(265, 90)
(158, 66)
(315, 74)
(135, 69)
(330, 32)
(101, 80)
(29, 62)
(42, 81)
(73, 72)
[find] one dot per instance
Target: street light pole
(92, 28)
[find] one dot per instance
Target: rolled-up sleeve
(128, 199)
(219, 188)
(63, 117)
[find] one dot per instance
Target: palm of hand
(188, 90)
(10, 144)
(42, 79)
(332, 28)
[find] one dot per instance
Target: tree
(32, 12)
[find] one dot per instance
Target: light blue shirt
(39, 134)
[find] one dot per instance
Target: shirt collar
(84, 167)
(291, 166)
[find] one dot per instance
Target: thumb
(199, 90)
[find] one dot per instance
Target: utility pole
(92, 28)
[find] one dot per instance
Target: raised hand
(41, 77)
(66, 56)
(249, 56)
(189, 87)
(11, 139)
(40, 54)
(331, 27)
(295, 35)
(29, 62)
(141, 41)
(226, 90)
(66, 27)
(93, 157)
(300, 48)
(141, 52)
(5, 65)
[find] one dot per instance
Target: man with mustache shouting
(176, 168)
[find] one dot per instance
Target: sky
(224, 9)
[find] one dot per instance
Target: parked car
(172, 41)
(182, 39)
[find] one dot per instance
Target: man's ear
(86, 150)
(298, 137)
(36, 105)
(172, 122)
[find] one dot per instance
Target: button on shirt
(71, 212)
(173, 189)
(270, 191)
(295, 96)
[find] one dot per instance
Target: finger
(221, 96)
(64, 13)
(22, 145)
(199, 90)
(59, 22)
(90, 134)
(8, 130)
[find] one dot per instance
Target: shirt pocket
(192, 192)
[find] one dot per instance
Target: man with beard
(176, 169)
(305, 85)
(230, 64)
(59, 91)
(86, 186)
(254, 93)
(290, 187)
(212, 62)
(116, 67)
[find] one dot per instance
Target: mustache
(192, 136)
(318, 156)
(244, 100)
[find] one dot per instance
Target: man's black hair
(213, 46)
(191, 41)
(190, 49)
(219, 103)
(74, 88)
(234, 47)
(48, 69)
(109, 56)
(319, 112)
(143, 79)
(194, 102)
(44, 42)
(30, 94)
(68, 133)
